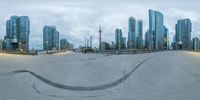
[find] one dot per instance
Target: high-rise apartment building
(183, 34)
(139, 34)
(156, 29)
(131, 43)
(196, 44)
(17, 33)
(166, 38)
(118, 39)
(50, 38)
(1, 45)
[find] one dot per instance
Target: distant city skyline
(77, 20)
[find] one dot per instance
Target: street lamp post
(46, 47)
(20, 47)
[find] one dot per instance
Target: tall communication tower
(100, 31)
(85, 43)
(91, 41)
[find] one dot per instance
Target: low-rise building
(105, 46)
(65, 45)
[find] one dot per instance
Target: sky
(77, 20)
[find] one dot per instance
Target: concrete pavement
(170, 75)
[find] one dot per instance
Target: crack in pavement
(80, 88)
(37, 91)
(61, 96)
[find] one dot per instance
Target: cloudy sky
(76, 20)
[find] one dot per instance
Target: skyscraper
(14, 29)
(24, 30)
(196, 44)
(166, 38)
(156, 29)
(118, 39)
(148, 40)
(131, 43)
(50, 38)
(17, 33)
(1, 45)
(140, 34)
(183, 34)
(124, 43)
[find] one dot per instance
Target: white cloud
(77, 20)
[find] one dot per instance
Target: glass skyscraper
(196, 44)
(50, 38)
(139, 34)
(166, 38)
(156, 29)
(24, 30)
(131, 43)
(124, 42)
(1, 45)
(13, 29)
(118, 39)
(148, 39)
(17, 33)
(183, 34)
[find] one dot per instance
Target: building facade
(131, 43)
(65, 45)
(166, 39)
(139, 34)
(17, 33)
(156, 29)
(50, 38)
(124, 43)
(196, 44)
(105, 46)
(1, 45)
(148, 40)
(113, 45)
(183, 34)
(118, 39)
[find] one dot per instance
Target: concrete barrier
(131, 51)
